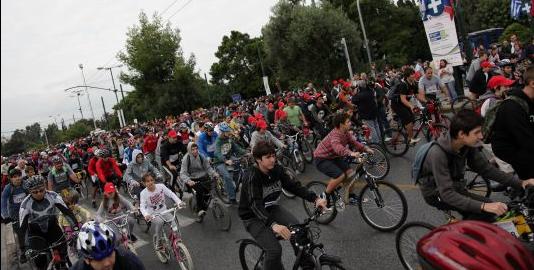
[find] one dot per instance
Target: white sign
(438, 20)
(266, 85)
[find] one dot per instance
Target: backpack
(420, 157)
(491, 115)
(393, 93)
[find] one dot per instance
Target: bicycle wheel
(383, 206)
(183, 257)
(221, 216)
(397, 145)
(163, 254)
(306, 150)
(477, 184)
(251, 255)
(220, 191)
(406, 243)
(462, 103)
(434, 131)
(318, 188)
(298, 161)
(378, 163)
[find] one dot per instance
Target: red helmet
(473, 245)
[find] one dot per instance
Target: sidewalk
(8, 246)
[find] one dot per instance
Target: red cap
(346, 84)
(261, 124)
(280, 104)
(109, 188)
(417, 75)
(334, 82)
(486, 64)
(172, 134)
(499, 80)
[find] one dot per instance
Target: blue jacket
(206, 144)
(11, 199)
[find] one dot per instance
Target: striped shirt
(335, 144)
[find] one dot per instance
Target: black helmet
(35, 182)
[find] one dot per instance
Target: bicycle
(238, 171)
(378, 165)
(218, 210)
(465, 103)
(82, 187)
(303, 235)
(398, 144)
(519, 221)
(374, 197)
(53, 256)
(121, 223)
(172, 241)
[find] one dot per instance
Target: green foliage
(238, 68)
(524, 34)
(300, 42)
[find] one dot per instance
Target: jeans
(202, 191)
(375, 130)
(452, 91)
(266, 238)
(229, 184)
(158, 224)
(383, 120)
(483, 216)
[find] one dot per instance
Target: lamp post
(119, 111)
(87, 93)
(365, 41)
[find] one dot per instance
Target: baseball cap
(172, 134)
(499, 80)
(486, 64)
(109, 188)
(261, 124)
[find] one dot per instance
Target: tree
(300, 42)
(524, 34)
(238, 68)
(16, 144)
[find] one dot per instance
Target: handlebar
(31, 253)
(174, 210)
(123, 218)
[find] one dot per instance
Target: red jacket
(104, 169)
(150, 142)
(91, 167)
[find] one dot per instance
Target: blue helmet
(96, 241)
(224, 127)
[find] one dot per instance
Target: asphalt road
(348, 236)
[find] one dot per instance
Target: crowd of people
(38, 188)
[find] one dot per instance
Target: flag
(515, 8)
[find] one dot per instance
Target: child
(114, 205)
(153, 201)
(12, 197)
(82, 215)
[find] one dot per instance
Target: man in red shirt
(150, 142)
(107, 169)
(331, 152)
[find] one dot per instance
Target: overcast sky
(43, 42)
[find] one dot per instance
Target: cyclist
(498, 87)
(38, 218)
(442, 173)
(262, 216)
(262, 134)
(60, 176)
(170, 151)
(196, 172)
(153, 201)
(401, 105)
(12, 197)
(136, 169)
(82, 215)
(150, 142)
(91, 169)
(97, 246)
(294, 113)
(225, 148)
(107, 168)
(330, 155)
(429, 86)
(30, 171)
(206, 141)
(114, 205)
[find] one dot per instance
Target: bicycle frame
(175, 235)
(51, 252)
(121, 223)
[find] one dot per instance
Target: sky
(43, 43)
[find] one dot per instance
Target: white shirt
(154, 201)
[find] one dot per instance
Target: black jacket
(366, 102)
(124, 259)
(479, 83)
(513, 135)
(260, 191)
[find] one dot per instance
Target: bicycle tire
(379, 158)
(332, 266)
(309, 207)
(373, 223)
(187, 261)
(398, 144)
(299, 161)
(402, 242)
(438, 130)
(164, 255)
(221, 192)
(306, 150)
(221, 216)
(478, 185)
(255, 263)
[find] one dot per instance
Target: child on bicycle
(12, 197)
(153, 201)
(114, 205)
(82, 215)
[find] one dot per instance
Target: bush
(524, 34)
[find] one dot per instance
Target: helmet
(208, 126)
(183, 126)
(34, 182)
(95, 241)
(104, 153)
(224, 127)
(98, 152)
(56, 160)
(472, 245)
(43, 153)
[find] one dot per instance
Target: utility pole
(46, 139)
(121, 110)
(345, 49)
(365, 41)
(105, 113)
(87, 93)
(207, 88)
(119, 114)
(79, 104)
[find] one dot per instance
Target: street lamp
(365, 41)
(119, 111)
(87, 93)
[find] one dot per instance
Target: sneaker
(200, 216)
(355, 199)
(414, 140)
(133, 238)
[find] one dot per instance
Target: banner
(438, 19)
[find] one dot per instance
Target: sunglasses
(41, 190)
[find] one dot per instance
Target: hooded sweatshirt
(267, 136)
(195, 167)
(135, 171)
(443, 174)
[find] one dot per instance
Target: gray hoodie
(135, 171)
(267, 136)
(441, 180)
(195, 167)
